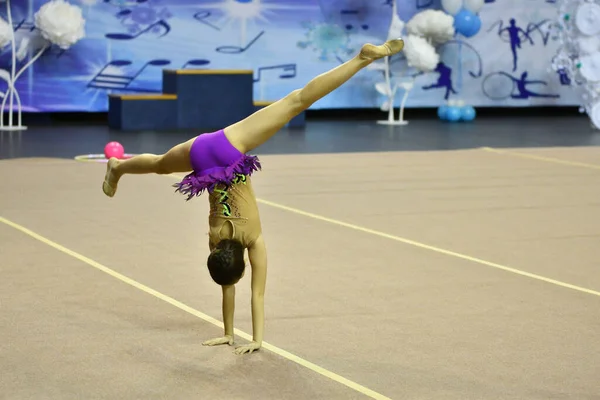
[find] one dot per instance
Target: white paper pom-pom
(434, 25)
(60, 23)
(420, 54)
(588, 44)
(6, 33)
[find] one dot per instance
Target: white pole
(401, 120)
(11, 89)
(391, 93)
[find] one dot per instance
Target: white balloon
(590, 67)
(452, 7)
(587, 19)
(474, 5)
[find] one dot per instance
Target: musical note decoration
(353, 15)
(114, 75)
(195, 63)
(283, 71)
(239, 49)
(24, 25)
(27, 43)
(140, 20)
(161, 28)
(288, 71)
(203, 17)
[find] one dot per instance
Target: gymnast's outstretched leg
(259, 127)
(254, 130)
(177, 159)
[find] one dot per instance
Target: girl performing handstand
(217, 163)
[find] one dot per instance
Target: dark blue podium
(210, 99)
(201, 99)
(131, 112)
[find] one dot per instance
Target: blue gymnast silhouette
(515, 87)
(444, 80)
(523, 92)
(515, 35)
(564, 77)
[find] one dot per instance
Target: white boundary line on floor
(280, 352)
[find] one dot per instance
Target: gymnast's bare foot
(109, 186)
(389, 48)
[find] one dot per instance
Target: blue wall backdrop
(287, 42)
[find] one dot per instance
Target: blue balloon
(475, 27)
(467, 23)
(453, 114)
(467, 113)
(442, 112)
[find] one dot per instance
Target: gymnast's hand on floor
(247, 348)
(219, 341)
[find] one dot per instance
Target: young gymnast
(217, 163)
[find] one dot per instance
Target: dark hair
(226, 262)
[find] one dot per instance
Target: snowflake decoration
(138, 18)
(329, 40)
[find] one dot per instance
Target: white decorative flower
(420, 54)
(588, 44)
(61, 23)
(6, 33)
(434, 25)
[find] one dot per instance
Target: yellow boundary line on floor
(541, 158)
(285, 354)
(421, 245)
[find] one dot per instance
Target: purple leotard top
(215, 161)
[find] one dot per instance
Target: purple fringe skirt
(195, 183)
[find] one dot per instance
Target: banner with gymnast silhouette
(286, 43)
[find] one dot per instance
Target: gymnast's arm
(228, 309)
(228, 305)
(257, 254)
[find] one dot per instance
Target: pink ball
(114, 149)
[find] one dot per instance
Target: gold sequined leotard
(234, 213)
